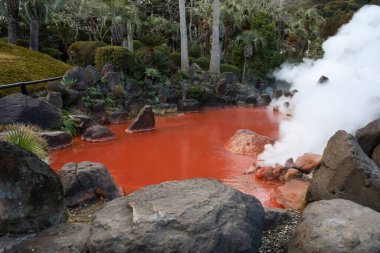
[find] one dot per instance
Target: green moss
(203, 62)
(18, 64)
(229, 68)
(82, 53)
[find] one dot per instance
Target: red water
(181, 147)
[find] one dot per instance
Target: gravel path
(276, 240)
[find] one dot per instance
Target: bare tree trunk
(34, 31)
(12, 15)
(184, 46)
(215, 47)
(130, 32)
(191, 21)
(244, 70)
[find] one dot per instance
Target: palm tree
(12, 9)
(215, 47)
(38, 12)
(252, 40)
(184, 46)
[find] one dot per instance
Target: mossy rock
(18, 64)
(82, 53)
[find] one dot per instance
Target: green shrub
(195, 51)
(118, 56)
(203, 62)
(197, 92)
(229, 68)
(55, 53)
(28, 138)
(175, 59)
(69, 124)
(82, 53)
(137, 44)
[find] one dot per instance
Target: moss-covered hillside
(18, 64)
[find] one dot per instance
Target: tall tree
(12, 9)
(38, 12)
(184, 45)
(215, 47)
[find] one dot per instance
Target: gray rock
(376, 155)
(55, 98)
(144, 121)
(134, 105)
(369, 136)
(84, 122)
(79, 74)
(57, 139)
(337, 226)
(346, 172)
(98, 133)
(264, 100)
(221, 88)
(108, 67)
(112, 79)
(93, 74)
(18, 108)
(323, 80)
(62, 238)
(118, 117)
(99, 113)
(189, 105)
(56, 86)
(197, 215)
(87, 181)
(71, 98)
(194, 71)
(230, 77)
(277, 93)
(252, 99)
(275, 216)
(31, 193)
(163, 95)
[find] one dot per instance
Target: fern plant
(69, 124)
(27, 137)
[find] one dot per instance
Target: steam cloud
(349, 100)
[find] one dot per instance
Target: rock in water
(369, 137)
(144, 121)
(57, 139)
(308, 162)
(189, 105)
(346, 172)
(198, 215)
(98, 133)
(246, 142)
(337, 226)
(87, 181)
(31, 193)
(19, 108)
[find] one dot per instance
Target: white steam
(348, 101)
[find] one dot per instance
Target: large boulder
(98, 111)
(80, 76)
(337, 226)
(31, 193)
(376, 155)
(71, 98)
(62, 238)
(189, 105)
(276, 216)
(87, 181)
(98, 133)
(55, 98)
(18, 108)
(93, 74)
(197, 215)
(83, 122)
(118, 116)
(56, 86)
(221, 88)
(346, 172)
(57, 139)
(144, 121)
(369, 137)
(247, 142)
